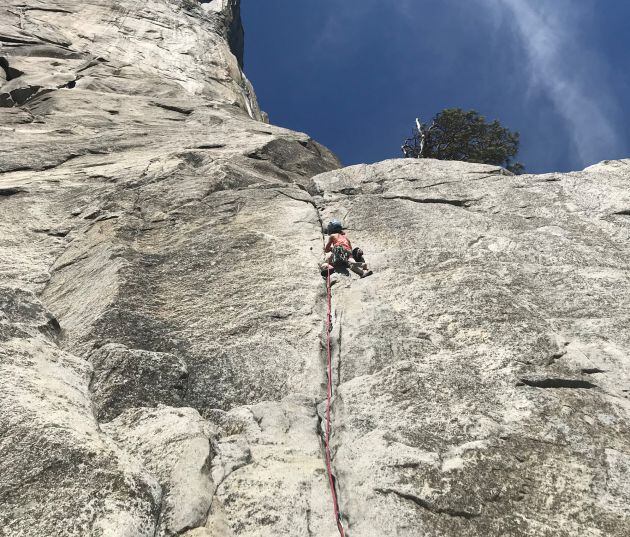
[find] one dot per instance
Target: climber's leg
(357, 268)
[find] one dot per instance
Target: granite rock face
(157, 247)
(162, 314)
(174, 444)
(483, 370)
(124, 378)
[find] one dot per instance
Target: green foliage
(455, 134)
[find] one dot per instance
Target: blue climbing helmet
(335, 226)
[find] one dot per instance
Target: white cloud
(565, 70)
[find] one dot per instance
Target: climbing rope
(331, 478)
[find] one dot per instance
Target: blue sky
(354, 74)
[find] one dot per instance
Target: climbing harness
(340, 256)
(331, 478)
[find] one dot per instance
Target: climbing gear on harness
(340, 256)
(335, 226)
(331, 477)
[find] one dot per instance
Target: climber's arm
(329, 245)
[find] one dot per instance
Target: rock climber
(338, 251)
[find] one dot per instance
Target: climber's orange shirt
(338, 239)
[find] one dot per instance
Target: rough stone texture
(60, 474)
(269, 472)
(174, 445)
(484, 368)
(126, 378)
(159, 246)
(150, 224)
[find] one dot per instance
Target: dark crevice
(69, 263)
(309, 201)
(91, 63)
(48, 9)
(53, 232)
(20, 96)
(184, 530)
(18, 169)
(105, 217)
(434, 184)
(555, 357)
(475, 241)
(497, 171)
(16, 40)
(489, 176)
(58, 233)
(172, 108)
(256, 156)
(10, 72)
(311, 146)
(557, 383)
(210, 146)
(10, 191)
(183, 385)
(592, 370)
(455, 513)
(63, 161)
(454, 202)
(52, 329)
(308, 523)
(159, 512)
(625, 212)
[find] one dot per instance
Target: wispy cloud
(347, 21)
(565, 70)
(549, 56)
(344, 24)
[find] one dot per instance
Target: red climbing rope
(331, 478)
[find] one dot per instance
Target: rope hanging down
(331, 478)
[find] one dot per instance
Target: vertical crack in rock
(308, 523)
(339, 347)
(335, 324)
